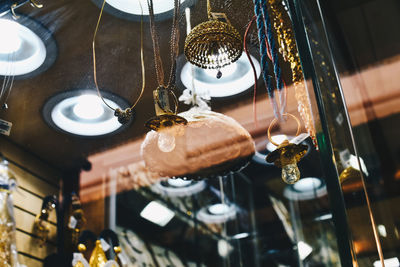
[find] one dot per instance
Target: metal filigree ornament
(287, 155)
(213, 44)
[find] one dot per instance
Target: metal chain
(174, 45)
(141, 59)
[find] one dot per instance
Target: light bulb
(290, 173)
(166, 142)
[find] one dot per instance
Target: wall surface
(36, 180)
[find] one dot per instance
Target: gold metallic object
(8, 250)
(76, 220)
(287, 155)
(35, 4)
(124, 116)
(81, 248)
(98, 258)
(213, 44)
(12, 8)
(165, 116)
(288, 49)
(41, 224)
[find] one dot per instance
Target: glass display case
(200, 133)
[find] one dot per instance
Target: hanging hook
(35, 4)
(12, 8)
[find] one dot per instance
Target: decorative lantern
(213, 44)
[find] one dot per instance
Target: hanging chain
(141, 59)
(174, 45)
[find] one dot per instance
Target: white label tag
(104, 245)
(123, 259)
(72, 222)
(300, 138)
(5, 127)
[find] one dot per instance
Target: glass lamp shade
(210, 144)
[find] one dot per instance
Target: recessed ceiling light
(305, 189)
(218, 209)
(391, 262)
(21, 50)
(132, 10)
(217, 213)
(241, 236)
(157, 213)
(307, 184)
(81, 112)
(179, 187)
(179, 182)
(236, 78)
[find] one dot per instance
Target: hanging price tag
(72, 222)
(300, 138)
(5, 127)
(105, 246)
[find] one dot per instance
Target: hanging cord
(273, 53)
(174, 43)
(141, 58)
(8, 82)
(253, 68)
(264, 55)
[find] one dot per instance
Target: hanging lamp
(213, 44)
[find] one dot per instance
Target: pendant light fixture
(213, 44)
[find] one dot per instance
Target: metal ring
(275, 120)
(12, 8)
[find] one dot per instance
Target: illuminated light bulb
(290, 173)
(166, 142)
(88, 107)
(12, 41)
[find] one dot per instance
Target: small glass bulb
(290, 173)
(166, 142)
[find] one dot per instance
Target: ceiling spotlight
(157, 213)
(81, 112)
(88, 107)
(132, 10)
(236, 78)
(179, 187)
(21, 50)
(179, 182)
(217, 213)
(218, 209)
(391, 262)
(307, 184)
(306, 189)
